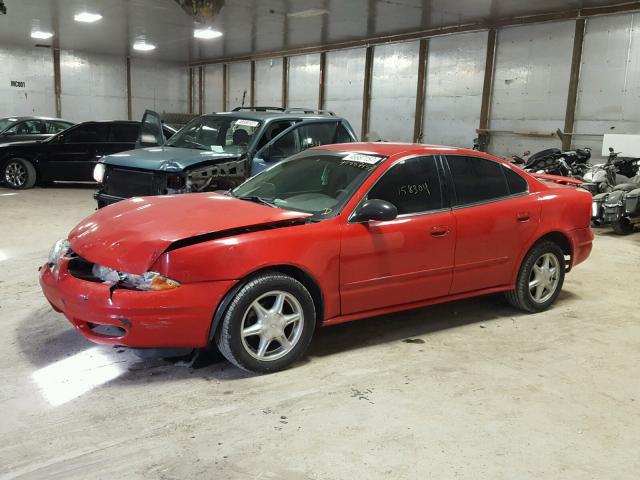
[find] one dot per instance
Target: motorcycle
(553, 161)
(618, 203)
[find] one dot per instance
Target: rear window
(515, 182)
(477, 179)
(124, 132)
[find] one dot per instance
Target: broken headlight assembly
(59, 250)
(149, 281)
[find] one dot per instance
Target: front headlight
(59, 250)
(150, 281)
(98, 172)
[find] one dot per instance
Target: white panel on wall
(269, 82)
(34, 67)
(213, 86)
(94, 87)
(239, 85)
(344, 85)
(455, 76)
(609, 88)
(304, 80)
(159, 86)
(530, 85)
(393, 91)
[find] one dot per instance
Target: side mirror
(526, 153)
(375, 209)
(610, 149)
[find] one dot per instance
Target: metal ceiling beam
(572, 14)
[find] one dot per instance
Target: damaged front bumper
(179, 318)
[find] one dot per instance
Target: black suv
(214, 152)
(71, 155)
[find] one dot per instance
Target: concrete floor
(479, 392)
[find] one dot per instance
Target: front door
(409, 259)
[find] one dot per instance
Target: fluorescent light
(310, 12)
(87, 17)
(39, 34)
(206, 33)
(143, 46)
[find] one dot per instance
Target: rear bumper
(173, 318)
(581, 245)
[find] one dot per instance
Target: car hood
(164, 158)
(130, 235)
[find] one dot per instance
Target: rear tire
(268, 324)
(19, 174)
(622, 226)
(540, 278)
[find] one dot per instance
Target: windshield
(5, 122)
(216, 134)
(314, 181)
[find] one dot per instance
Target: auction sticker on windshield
(247, 123)
(362, 158)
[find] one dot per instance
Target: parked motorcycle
(616, 170)
(618, 204)
(553, 161)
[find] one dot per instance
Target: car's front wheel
(268, 324)
(540, 278)
(19, 173)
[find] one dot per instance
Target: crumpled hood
(130, 235)
(164, 158)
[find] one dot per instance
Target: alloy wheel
(15, 174)
(272, 325)
(544, 278)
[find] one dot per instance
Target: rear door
(299, 137)
(122, 136)
(151, 133)
(73, 154)
(495, 217)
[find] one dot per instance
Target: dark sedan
(14, 129)
(70, 155)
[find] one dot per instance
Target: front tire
(19, 174)
(268, 325)
(540, 278)
(622, 226)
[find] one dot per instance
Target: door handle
(523, 217)
(440, 231)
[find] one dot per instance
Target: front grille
(126, 183)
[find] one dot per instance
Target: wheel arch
(296, 272)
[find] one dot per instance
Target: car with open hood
(333, 234)
(70, 155)
(214, 152)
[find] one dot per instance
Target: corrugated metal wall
(33, 66)
(268, 88)
(455, 75)
(530, 85)
(344, 85)
(158, 86)
(94, 87)
(213, 91)
(609, 88)
(393, 92)
(304, 79)
(239, 85)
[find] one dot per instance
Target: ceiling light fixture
(39, 34)
(87, 17)
(310, 12)
(143, 46)
(206, 33)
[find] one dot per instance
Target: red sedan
(334, 234)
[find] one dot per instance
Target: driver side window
(412, 185)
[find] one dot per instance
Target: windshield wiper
(256, 199)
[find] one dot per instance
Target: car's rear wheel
(268, 324)
(622, 226)
(19, 173)
(540, 278)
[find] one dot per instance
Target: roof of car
(388, 149)
(259, 116)
(18, 119)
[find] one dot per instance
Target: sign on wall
(17, 84)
